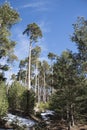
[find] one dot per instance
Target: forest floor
(54, 125)
(58, 127)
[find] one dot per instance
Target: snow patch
(19, 120)
(45, 115)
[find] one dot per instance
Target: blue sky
(55, 17)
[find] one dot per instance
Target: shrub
(28, 101)
(20, 98)
(15, 95)
(43, 106)
(3, 100)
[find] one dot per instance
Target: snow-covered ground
(45, 115)
(10, 118)
(19, 120)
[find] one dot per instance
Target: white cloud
(44, 26)
(41, 9)
(34, 4)
(21, 49)
(37, 5)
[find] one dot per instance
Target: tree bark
(72, 116)
(36, 78)
(29, 68)
(38, 91)
(26, 78)
(68, 119)
(44, 90)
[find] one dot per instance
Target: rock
(8, 125)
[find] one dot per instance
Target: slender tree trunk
(29, 78)
(52, 89)
(10, 73)
(72, 120)
(44, 90)
(38, 91)
(26, 78)
(9, 78)
(68, 119)
(72, 117)
(29, 68)
(52, 79)
(36, 78)
(46, 94)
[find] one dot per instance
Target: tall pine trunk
(36, 77)
(39, 94)
(68, 118)
(72, 116)
(29, 68)
(44, 90)
(26, 78)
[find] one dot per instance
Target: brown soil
(62, 126)
(65, 128)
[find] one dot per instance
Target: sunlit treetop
(33, 31)
(8, 16)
